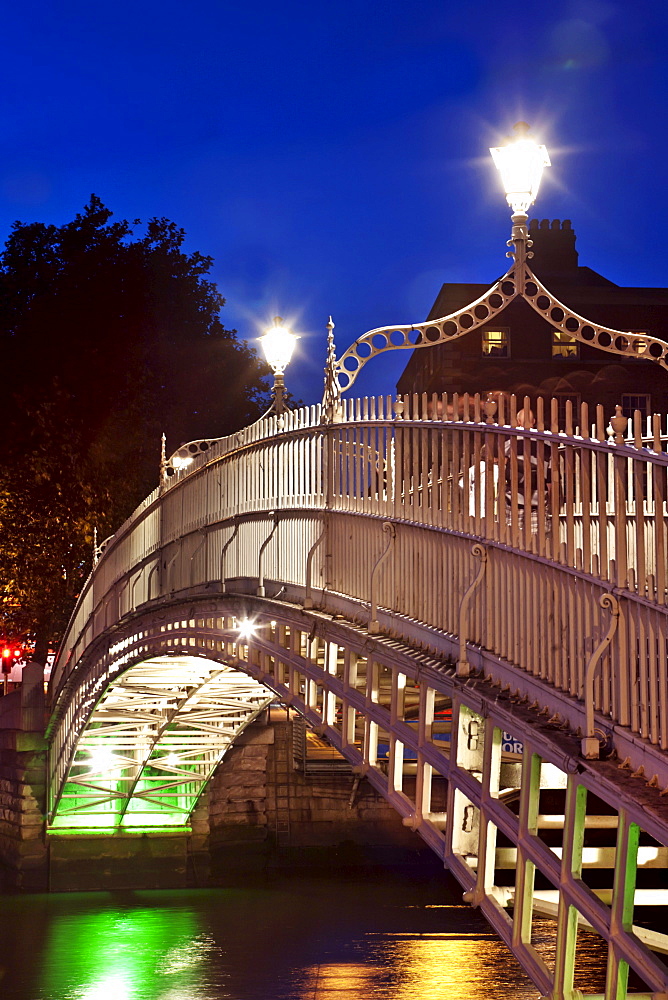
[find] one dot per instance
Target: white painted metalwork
(389, 529)
(590, 743)
(384, 703)
(152, 741)
(301, 513)
(463, 665)
(599, 528)
(518, 281)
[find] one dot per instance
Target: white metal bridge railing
(316, 503)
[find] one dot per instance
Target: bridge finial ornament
(163, 459)
(520, 161)
(332, 390)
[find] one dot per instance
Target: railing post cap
(591, 748)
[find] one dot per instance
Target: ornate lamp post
(521, 161)
(278, 344)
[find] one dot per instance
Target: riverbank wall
(267, 807)
(23, 848)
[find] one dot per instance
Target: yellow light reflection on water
(459, 968)
(424, 967)
(340, 980)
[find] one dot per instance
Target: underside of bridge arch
(527, 824)
(142, 721)
(152, 742)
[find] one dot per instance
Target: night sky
(333, 158)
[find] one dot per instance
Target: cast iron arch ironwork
(358, 689)
(518, 281)
(143, 719)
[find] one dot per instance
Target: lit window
(495, 343)
(636, 401)
(564, 346)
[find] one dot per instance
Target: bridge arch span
(361, 691)
(127, 712)
(400, 715)
(149, 738)
(417, 627)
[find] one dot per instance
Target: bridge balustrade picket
(444, 472)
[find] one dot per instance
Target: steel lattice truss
(153, 741)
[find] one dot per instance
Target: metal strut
(308, 600)
(260, 567)
(223, 552)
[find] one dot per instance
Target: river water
(365, 937)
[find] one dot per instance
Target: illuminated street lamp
(278, 343)
(520, 161)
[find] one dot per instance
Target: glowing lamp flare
(278, 343)
(103, 759)
(521, 161)
(246, 629)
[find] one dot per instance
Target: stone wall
(258, 810)
(237, 799)
(260, 805)
(22, 804)
(155, 860)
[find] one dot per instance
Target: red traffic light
(9, 653)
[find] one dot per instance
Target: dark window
(632, 401)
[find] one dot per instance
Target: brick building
(520, 352)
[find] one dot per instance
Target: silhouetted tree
(107, 339)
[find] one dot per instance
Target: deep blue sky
(333, 158)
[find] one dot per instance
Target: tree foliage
(107, 338)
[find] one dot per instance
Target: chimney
(553, 247)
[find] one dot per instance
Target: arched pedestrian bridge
(371, 565)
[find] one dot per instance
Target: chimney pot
(553, 246)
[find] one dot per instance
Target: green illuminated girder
(153, 741)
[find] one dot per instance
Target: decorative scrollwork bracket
(590, 743)
(463, 665)
(374, 624)
(518, 281)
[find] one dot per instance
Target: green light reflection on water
(126, 953)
